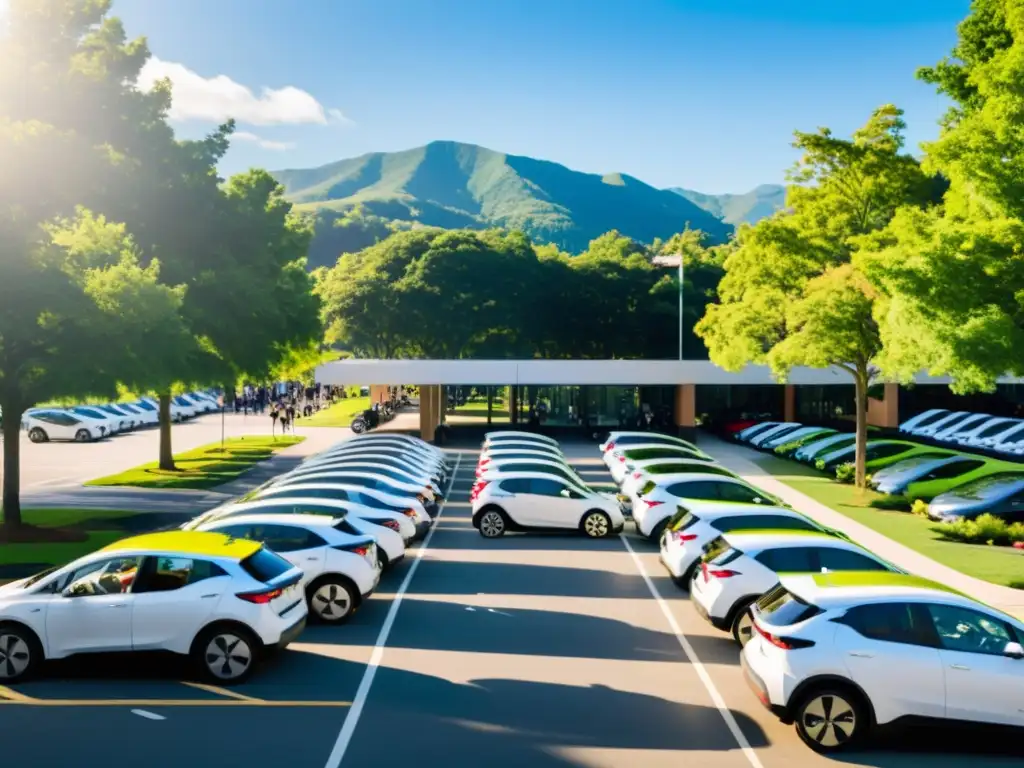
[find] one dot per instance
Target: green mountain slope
(750, 207)
(449, 184)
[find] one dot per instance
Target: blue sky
(697, 93)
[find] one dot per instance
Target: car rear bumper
(760, 690)
(291, 633)
(422, 529)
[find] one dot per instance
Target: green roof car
(949, 477)
(880, 454)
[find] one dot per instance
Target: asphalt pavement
(539, 650)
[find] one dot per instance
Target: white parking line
(363, 692)
(148, 715)
(695, 662)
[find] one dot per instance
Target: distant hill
(750, 207)
(449, 184)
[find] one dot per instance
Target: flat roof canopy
(353, 371)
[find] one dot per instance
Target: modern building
(602, 394)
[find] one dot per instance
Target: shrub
(899, 503)
(845, 473)
(820, 464)
(919, 508)
(986, 529)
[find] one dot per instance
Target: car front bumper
(422, 529)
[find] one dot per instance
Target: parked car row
(1001, 434)
(833, 638)
(242, 579)
(88, 423)
(956, 484)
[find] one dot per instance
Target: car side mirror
(758, 500)
(565, 493)
(1014, 650)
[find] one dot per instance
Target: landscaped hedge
(987, 529)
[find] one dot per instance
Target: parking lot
(541, 650)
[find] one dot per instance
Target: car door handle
(862, 655)
(960, 666)
(312, 559)
(118, 605)
(207, 597)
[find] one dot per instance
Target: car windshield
(782, 608)
(145, 406)
(912, 463)
(33, 580)
(990, 487)
(91, 412)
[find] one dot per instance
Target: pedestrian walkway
(739, 459)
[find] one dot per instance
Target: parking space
(540, 650)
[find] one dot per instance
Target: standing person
(290, 414)
(273, 418)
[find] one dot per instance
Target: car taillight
(392, 524)
(622, 459)
(409, 512)
(636, 475)
(362, 550)
(722, 573)
(785, 643)
(260, 598)
(650, 504)
(680, 536)
(609, 447)
(420, 497)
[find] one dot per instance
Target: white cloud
(278, 146)
(218, 98)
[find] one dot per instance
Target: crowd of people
(285, 401)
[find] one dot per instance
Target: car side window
(702, 489)
(788, 559)
(891, 623)
(515, 485)
(748, 523)
(166, 574)
(953, 470)
(845, 560)
(104, 577)
(969, 631)
(541, 487)
(736, 492)
(289, 538)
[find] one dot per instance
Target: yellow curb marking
(221, 692)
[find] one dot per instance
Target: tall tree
(69, 122)
(790, 295)
(953, 277)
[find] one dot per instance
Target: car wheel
(382, 558)
(332, 600)
(83, 436)
(743, 623)
(596, 525)
(36, 435)
(225, 654)
(493, 523)
(20, 653)
(657, 530)
(830, 719)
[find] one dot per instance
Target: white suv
(532, 500)
(688, 533)
(838, 653)
(220, 600)
(738, 568)
(340, 569)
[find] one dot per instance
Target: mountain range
(451, 184)
(747, 208)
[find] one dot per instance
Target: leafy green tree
(953, 277)
(791, 295)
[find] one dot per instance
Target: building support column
(378, 393)
(513, 404)
(428, 419)
(686, 411)
(885, 412)
(789, 403)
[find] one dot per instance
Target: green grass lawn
(477, 409)
(338, 415)
(96, 529)
(204, 467)
(999, 565)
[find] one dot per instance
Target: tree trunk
(513, 404)
(166, 455)
(12, 462)
(861, 399)
(490, 404)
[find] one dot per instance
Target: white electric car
(220, 600)
(46, 424)
(368, 478)
(657, 469)
(413, 465)
(622, 440)
(839, 653)
(737, 568)
(390, 530)
(688, 533)
(418, 479)
(622, 462)
(509, 436)
(340, 570)
(655, 503)
(536, 501)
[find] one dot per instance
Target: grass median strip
(339, 414)
(204, 467)
(999, 565)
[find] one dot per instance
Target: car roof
(516, 433)
(535, 475)
(200, 543)
(841, 588)
(747, 540)
(672, 477)
(693, 477)
(278, 518)
(741, 509)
